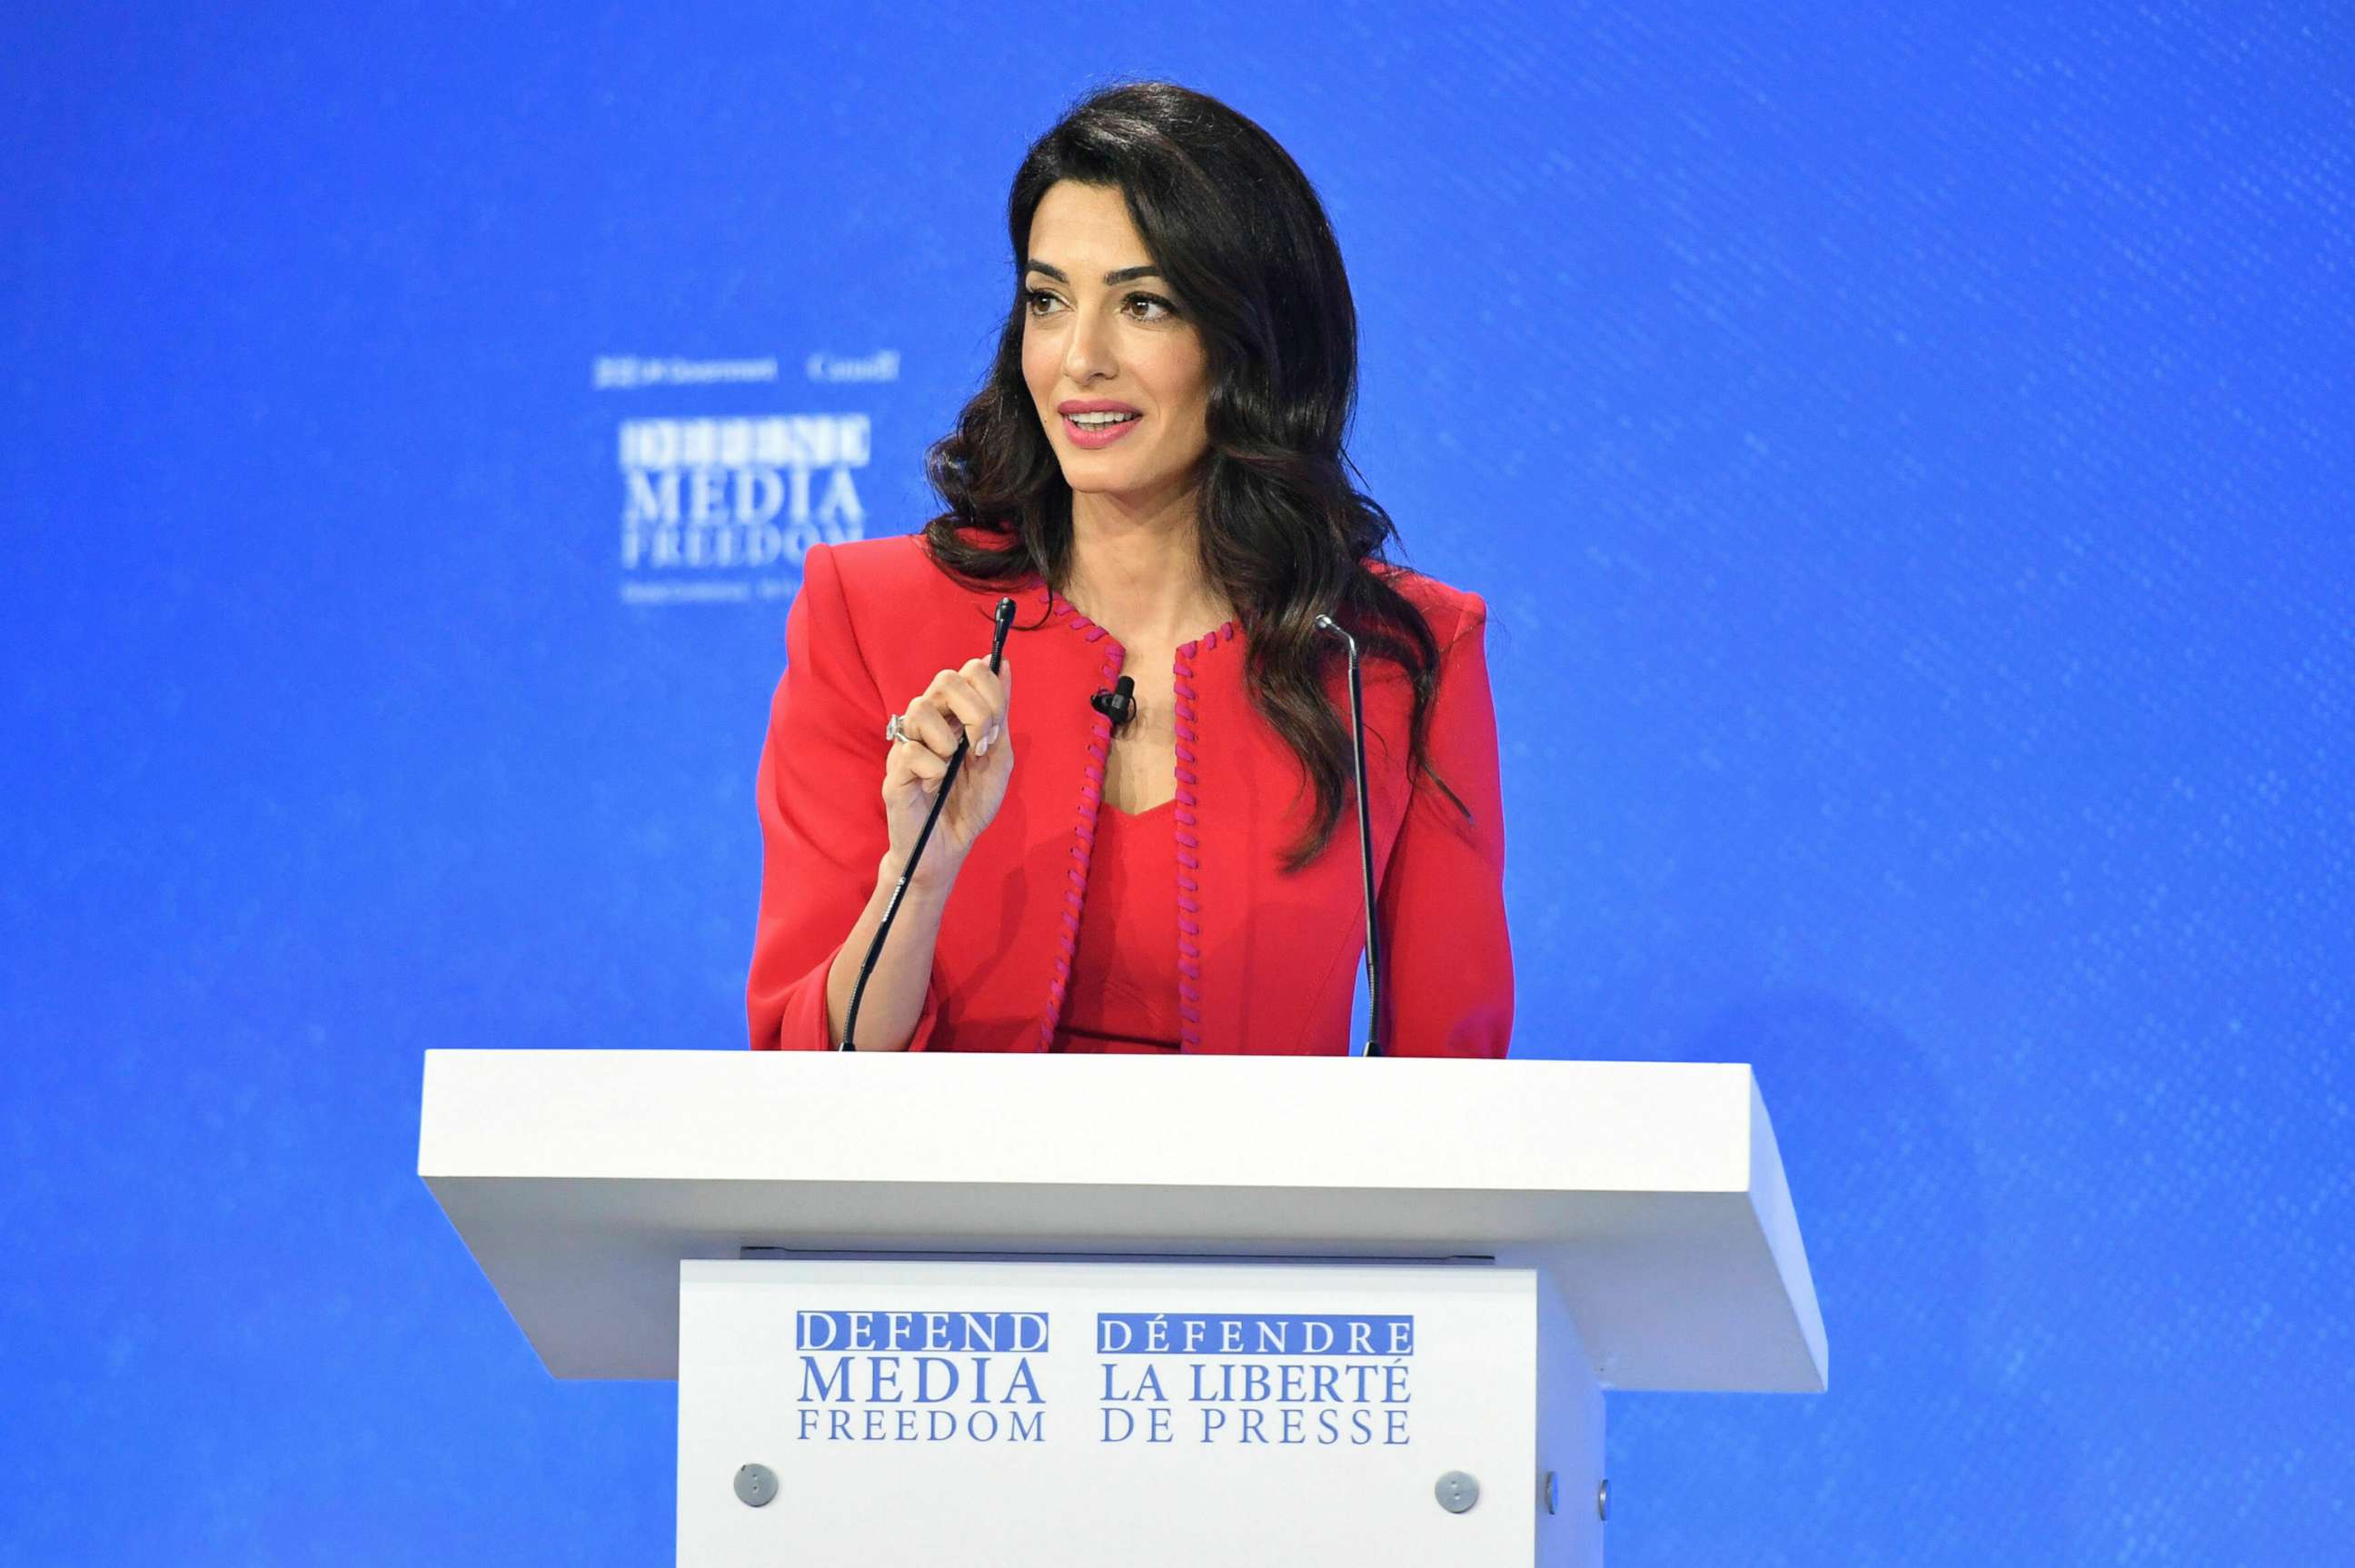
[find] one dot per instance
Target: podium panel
(1295, 1311)
(1159, 1414)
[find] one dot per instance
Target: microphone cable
(1004, 622)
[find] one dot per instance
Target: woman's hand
(968, 704)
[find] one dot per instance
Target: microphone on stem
(1365, 838)
(1005, 623)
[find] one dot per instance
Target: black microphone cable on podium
(1004, 622)
(1365, 839)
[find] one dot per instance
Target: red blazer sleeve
(1449, 989)
(822, 829)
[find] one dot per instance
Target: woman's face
(1102, 340)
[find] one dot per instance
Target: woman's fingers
(919, 763)
(964, 696)
(970, 702)
(990, 689)
(959, 707)
(991, 685)
(930, 726)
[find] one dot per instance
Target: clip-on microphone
(1119, 704)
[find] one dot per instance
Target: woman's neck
(1137, 572)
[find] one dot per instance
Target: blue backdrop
(1909, 461)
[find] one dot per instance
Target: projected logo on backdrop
(722, 511)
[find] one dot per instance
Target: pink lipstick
(1107, 422)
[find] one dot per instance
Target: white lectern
(1081, 1310)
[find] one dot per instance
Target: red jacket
(1268, 961)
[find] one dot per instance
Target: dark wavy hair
(1238, 232)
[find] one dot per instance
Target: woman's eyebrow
(1119, 275)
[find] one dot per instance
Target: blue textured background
(1909, 461)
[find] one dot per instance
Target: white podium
(1078, 1310)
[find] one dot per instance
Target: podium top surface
(1651, 1192)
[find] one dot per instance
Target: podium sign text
(1162, 1413)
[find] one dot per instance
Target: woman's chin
(1089, 479)
(1125, 482)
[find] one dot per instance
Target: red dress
(1260, 961)
(1124, 976)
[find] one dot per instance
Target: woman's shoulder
(895, 601)
(894, 576)
(1450, 612)
(896, 564)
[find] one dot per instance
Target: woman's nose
(1089, 352)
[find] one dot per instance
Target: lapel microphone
(1119, 704)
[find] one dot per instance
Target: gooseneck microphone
(1119, 704)
(1004, 622)
(1365, 838)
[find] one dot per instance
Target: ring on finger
(895, 730)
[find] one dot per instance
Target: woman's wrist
(934, 876)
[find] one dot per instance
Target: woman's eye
(1140, 307)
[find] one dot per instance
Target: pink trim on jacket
(1084, 828)
(1190, 860)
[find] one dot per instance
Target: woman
(1155, 474)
